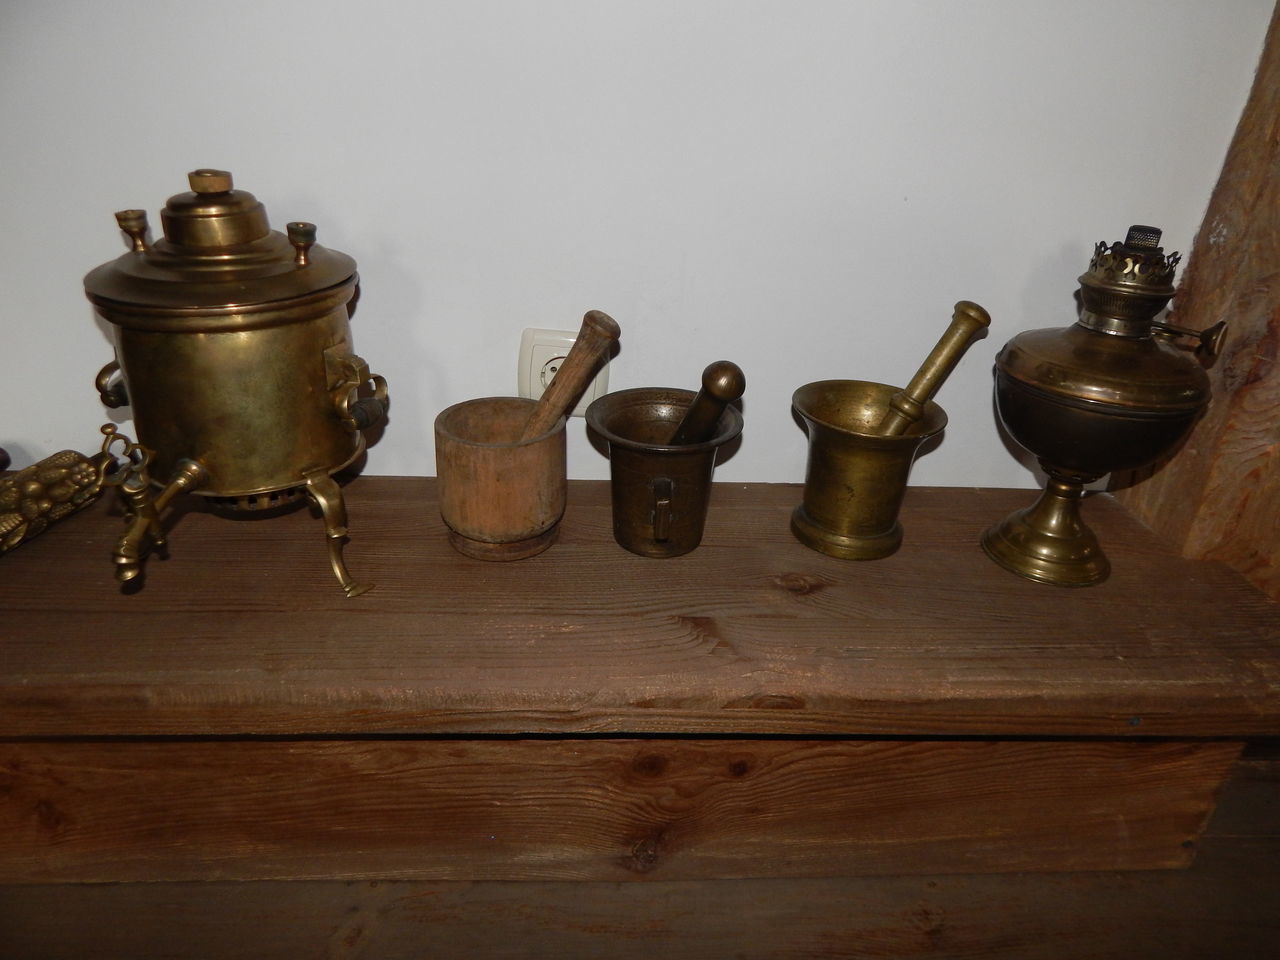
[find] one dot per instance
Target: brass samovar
(1111, 392)
(233, 349)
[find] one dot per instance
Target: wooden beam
(1218, 498)
(1226, 905)
(603, 810)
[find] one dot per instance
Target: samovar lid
(218, 252)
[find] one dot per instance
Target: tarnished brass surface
(863, 438)
(856, 476)
(1104, 394)
(45, 492)
(723, 382)
(968, 321)
(233, 349)
(660, 490)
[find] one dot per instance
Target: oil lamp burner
(1112, 392)
(233, 349)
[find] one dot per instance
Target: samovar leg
(327, 495)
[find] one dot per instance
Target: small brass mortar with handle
(663, 444)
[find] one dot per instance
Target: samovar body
(233, 351)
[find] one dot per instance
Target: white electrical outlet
(541, 353)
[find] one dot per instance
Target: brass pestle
(722, 383)
(907, 405)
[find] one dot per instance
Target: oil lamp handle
(598, 333)
(722, 383)
(1210, 339)
(907, 406)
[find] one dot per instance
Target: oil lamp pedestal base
(1048, 541)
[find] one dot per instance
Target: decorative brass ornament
(233, 348)
(1111, 392)
(33, 499)
(42, 494)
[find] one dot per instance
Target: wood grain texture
(1226, 905)
(241, 631)
(497, 494)
(605, 810)
(1217, 498)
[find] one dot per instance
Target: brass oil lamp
(233, 349)
(1112, 392)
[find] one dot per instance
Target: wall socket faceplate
(541, 353)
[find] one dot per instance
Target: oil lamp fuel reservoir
(1111, 392)
(233, 349)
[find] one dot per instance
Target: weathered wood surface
(1226, 905)
(597, 809)
(242, 631)
(1219, 497)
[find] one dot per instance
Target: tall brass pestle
(722, 383)
(588, 353)
(907, 405)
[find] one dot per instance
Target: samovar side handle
(111, 387)
(357, 412)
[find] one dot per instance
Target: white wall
(802, 187)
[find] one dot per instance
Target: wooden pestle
(907, 406)
(598, 333)
(722, 383)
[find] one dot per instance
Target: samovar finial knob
(209, 181)
(134, 223)
(303, 237)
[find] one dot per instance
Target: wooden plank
(602, 810)
(1226, 906)
(1217, 497)
(242, 631)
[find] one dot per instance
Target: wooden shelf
(242, 631)
(751, 710)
